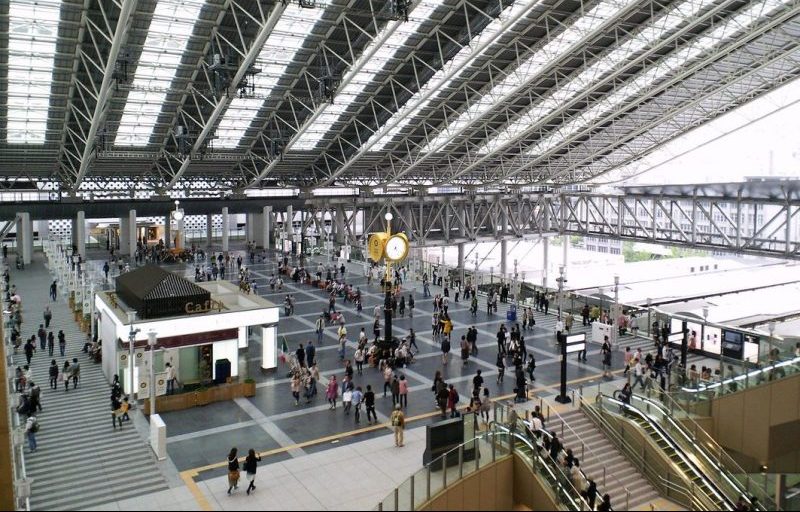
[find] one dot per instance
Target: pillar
(168, 231)
(43, 227)
(565, 254)
(269, 347)
(503, 259)
(338, 221)
(180, 234)
(249, 232)
(461, 262)
(287, 224)
(24, 237)
(79, 233)
(545, 262)
(225, 229)
(131, 240)
(209, 229)
(124, 229)
(266, 227)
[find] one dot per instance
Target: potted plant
(249, 387)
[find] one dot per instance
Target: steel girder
(508, 166)
(632, 137)
(94, 86)
(248, 55)
(534, 120)
(675, 84)
(429, 148)
(261, 166)
(376, 130)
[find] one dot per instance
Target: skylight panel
(439, 81)
(32, 34)
(722, 32)
(372, 63)
(566, 42)
(280, 50)
(169, 32)
(644, 39)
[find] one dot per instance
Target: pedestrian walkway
(81, 460)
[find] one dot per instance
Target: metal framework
(481, 93)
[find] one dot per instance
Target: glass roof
(651, 34)
(170, 30)
(724, 31)
(32, 34)
(279, 51)
(439, 80)
(571, 39)
(394, 44)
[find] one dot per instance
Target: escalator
(701, 484)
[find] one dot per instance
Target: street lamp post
(131, 337)
(561, 280)
(771, 327)
(151, 341)
(616, 289)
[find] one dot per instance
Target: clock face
(376, 243)
(396, 247)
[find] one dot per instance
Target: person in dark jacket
(591, 493)
(250, 465)
(30, 348)
(53, 373)
(233, 470)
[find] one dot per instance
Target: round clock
(396, 247)
(375, 246)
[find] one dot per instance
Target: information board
(732, 344)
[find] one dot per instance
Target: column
(503, 259)
(287, 224)
(43, 227)
(225, 229)
(461, 262)
(168, 230)
(79, 233)
(249, 232)
(269, 347)
(338, 221)
(180, 234)
(565, 255)
(209, 229)
(24, 237)
(124, 229)
(266, 227)
(131, 240)
(545, 263)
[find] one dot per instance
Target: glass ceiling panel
(32, 34)
(170, 30)
(648, 36)
(373, 63)
(564, 43)
(278, 53)
(729, 29)
(439, 81)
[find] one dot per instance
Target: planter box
(219, 393)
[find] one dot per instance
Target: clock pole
(387, 278)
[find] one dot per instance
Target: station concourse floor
(307, 436)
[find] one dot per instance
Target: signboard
(600, 330)
(138, 358)
(676, 337)
(143, 391)
(123, 360)
(161, 383)
(576, 343)
(732, 344)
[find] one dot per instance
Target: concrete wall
(761, 425)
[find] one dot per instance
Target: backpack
(35, 427)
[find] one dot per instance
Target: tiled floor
(320, 474)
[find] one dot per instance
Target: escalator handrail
(750, 374)
(720, 496)
(572, 493)
(731, 480)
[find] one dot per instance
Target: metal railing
(704, 450)
(495, 444)
(673, 490)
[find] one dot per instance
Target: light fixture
(388, 216)
(178, 213)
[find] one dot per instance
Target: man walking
(53, 290)
(369, 402)
(398, 424)
(76, 372)
(42, 337)
(48, 315)
(311, 352)
(171, 378)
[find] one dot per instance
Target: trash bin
(511, 314)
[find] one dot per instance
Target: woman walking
(50, 343)
(403, 392)
(66, 373)
(332, 392)
(62, 343)
(296, 388)
(233, 470)
(250, 465)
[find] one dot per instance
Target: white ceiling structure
(197, 97)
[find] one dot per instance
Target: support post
(79, 233)
(225, 229)
(209, 229)
(266, 226)
(545, 261)
(168, 231)
(503, 259)
(124, 228)
(131, 240)
(461, 262)
(24, 237)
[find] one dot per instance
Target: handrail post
(412, 505)
(627, 499)
(396, 499)
(428, 485)
(604, 477)
(461, 462)
(444, 472)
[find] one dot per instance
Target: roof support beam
(264, 30)
(105, 91)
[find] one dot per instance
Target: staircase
(619, 472)
(81, 461)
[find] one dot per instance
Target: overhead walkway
(81, 461)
